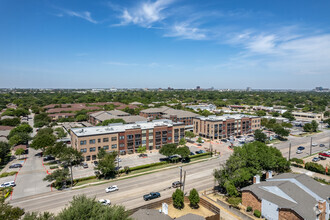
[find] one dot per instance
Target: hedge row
(75, 181)
(200, 155)
(297, 161)
(8, 174)
(318, 168)
(144, 166)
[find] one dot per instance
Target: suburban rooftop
(225, 117)
(120, 127)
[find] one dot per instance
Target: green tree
(4, 150)
(89, 208)
(280, 131)
(9, 212)
(189, 134)
(10, 122)
(19, 138)
(193, 198)
(184, 152)
(22, 128)
(314, 126)
(42, 141)
(286, 125)
(41, 120)
(59, 178)
(81, 118)
(111, 121)
(107, 166)
(141, 150)
(288, 115)
(168, 149)
(39, 216)
(60, 132)
(178, 199)
(182, 141)
(261, 113)
(307, 127)
(260, 136)
(19, 152)
(275, 114)
(199, 140)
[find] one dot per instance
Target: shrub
(249, 209)
(234, 201)
(318, 168)
(8, 174)
(126, 169)
(298, 161)
(53, 167)
(322, 180)
(200, 155)
(147, 166)
(75, 181)
(51, 162)
(257, 213)
(178, 199)
(193, 198)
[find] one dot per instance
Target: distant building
(218, 127)
(99, 117)
(209, 107)
(126, 138)
(198, 88)
(169, 113)
(308, 116)
(288, 196)
(56, 116)
(248, 89)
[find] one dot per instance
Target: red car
(325, 154)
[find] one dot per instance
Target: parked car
(85, 165)
(192, 153)
(173, 157)
(322, 158)
(176, 184)
(49, 157)
(152, 195)
(316, 159)
(111, 189)
(299, 152)
(200, 152)
(325, 154)
(301, 148)
(105, 201)
(322, 145)
(143, 155)
(314, 144)
(16, 165)
(8, 184)
(118, 159)
(96, 163)
(224, 140)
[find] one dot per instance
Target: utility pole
(180, 178)
(184, 181)
(290, 151)
(311, 147)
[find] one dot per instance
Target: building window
(121, 145)
(99, 140)
(129, 137)
(169, 138)
(151, 141)
(105, 139)
(83, 142)
(106, 147)
(92, 141)
(114, 146)
(84, 150)
(98, 148)
(144, 142)
(121, 137)
(113, 138)
(92, 149)
(93, 157)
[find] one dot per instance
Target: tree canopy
(247, 161)
(168, 149)
(107, 165)
(260, 136)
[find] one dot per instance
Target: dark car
(96, 163)
(48, 157)
(322, 145)
(200, 152)
(17, 165)
(152, 195)
(192, 153)
(301, 148)
(224, 140)
(176, 184)
(322, 158)
(143, 155)
(85, 165)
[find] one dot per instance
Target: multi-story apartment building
(126, 138)
(165, 112)
(217, 127)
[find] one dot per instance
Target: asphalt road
(131, 190)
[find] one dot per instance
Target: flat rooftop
(225, 117)
(120, 127)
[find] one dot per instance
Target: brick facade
(287, 214)
(249, 199)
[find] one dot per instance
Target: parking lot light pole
(180, 178)
(289, 151)
(311, 147)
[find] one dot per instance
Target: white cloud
(145, 14)
(86, 15)
(185, 31)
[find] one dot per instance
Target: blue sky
(177, 43)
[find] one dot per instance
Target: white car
(8, 184)
(118, 159)
(299, 152)
(105, 201)
(314, 144)
(111, 189)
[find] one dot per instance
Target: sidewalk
(310, 173)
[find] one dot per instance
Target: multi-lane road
(131, 190)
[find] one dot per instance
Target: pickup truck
(152, 195)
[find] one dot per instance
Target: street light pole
(311, 146)
(180, 178)
(184, 181)
(290, 151)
